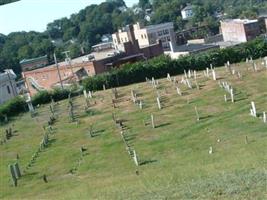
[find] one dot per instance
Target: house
(239, 30)
(146, 36)
(187, 12)
(8, 89)
(34, 63)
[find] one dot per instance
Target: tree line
(82, 30)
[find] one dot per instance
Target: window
(166, 31)
(160, 33)
(8, 89)
(142, 36)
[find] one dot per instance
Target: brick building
(146, 36)
(95, 63)
(239, 30)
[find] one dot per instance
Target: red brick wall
(152, 51)
(47, 77)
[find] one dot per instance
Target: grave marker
(13, 175)
(253, 111)
(264, 117)
(135, 158)
(158, 101)
(152, 121)
(197, 114)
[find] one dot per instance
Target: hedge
(19, 105)
(160, 66)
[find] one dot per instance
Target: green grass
(175, 154)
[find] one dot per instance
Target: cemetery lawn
(174, 156)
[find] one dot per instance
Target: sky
(34, 15)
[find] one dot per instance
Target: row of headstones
(135, 100)
(71, 109)
(154, 83)
(43, 144)
(15, 173)
(79, 161)
(229, 89)
(253, 112)
(7, 135)
(129, 149)
(210, 72)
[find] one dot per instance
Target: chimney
(130, 33)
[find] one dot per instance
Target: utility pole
(55, 59)
(68, 59)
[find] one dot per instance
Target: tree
(144, 4)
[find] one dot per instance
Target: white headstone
(85, 94)
(210, 150)
(253, 111)
(264, 117)
(158, 101)
(152, 121)
(232, 95)
(135, 158)
(197, 115)
(140, 105)
(214, 75)
(178, 91)
(169, 77)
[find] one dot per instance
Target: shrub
(12, 107)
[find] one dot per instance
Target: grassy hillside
(174, 156)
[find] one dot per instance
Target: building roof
(194, 47)
(6, 75)
(189, 7)
(241, 21)
(25, 61)
(159, 25)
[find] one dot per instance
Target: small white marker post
(225, 98)
(232, 95)
(135, 158)
(85, 94)
(264, 117)
(253, 111)
(152, 121)
(140, 105)
(169, 77)
(90, 94)
(178, 91)
(197, 115)
(210, 150)
(158, 101)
